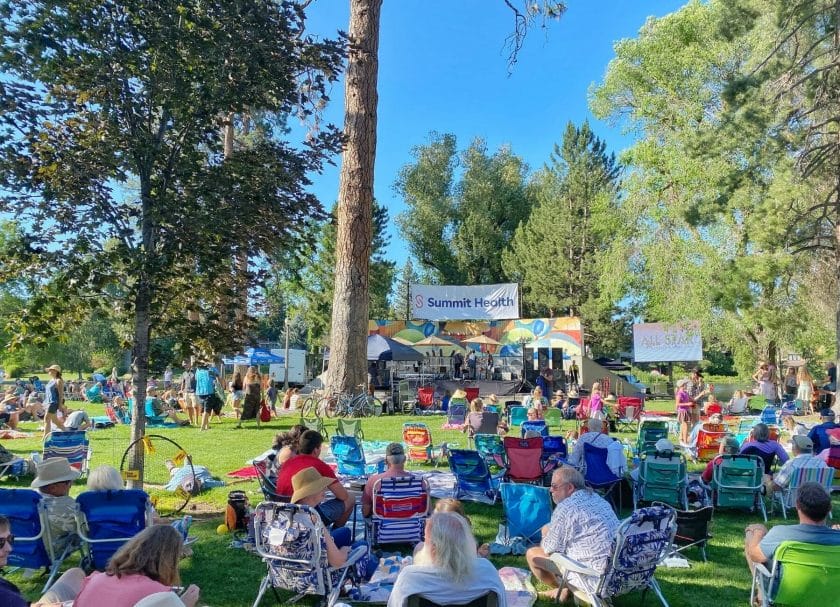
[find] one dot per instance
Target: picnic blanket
(246, 472)
(9, 433)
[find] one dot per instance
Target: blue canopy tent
(255, 356)
(385, 348)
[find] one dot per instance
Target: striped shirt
(803, 460)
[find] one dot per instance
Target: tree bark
(837, 299)
(348, 332)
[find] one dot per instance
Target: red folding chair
(472, 394)
(426, 397)
(524, 459)
(709, 438)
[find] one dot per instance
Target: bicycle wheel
(309, 408)
(376, 406)
(328, 407)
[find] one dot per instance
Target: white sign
(659, 342)
(454, 302)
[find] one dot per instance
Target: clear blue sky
(443, 67)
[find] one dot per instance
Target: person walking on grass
(252, 387)
(53, 400)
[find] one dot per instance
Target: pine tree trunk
(348, 332)
(837, 300)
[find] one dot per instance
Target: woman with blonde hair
(805, 391)
(253, 395)
(537, 401)
(236, 390)
(53, 400)
(450, 567)
(146, 564)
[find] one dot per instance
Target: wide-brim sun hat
(609, 398)
(54, 470)
(309, 482)
(160, 599)
(56, 368)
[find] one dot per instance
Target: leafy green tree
(458, 222)
(555, 254)
(104, 95)
(402, 291)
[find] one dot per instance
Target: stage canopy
(255, 356)
(384, 348)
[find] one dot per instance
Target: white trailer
(297, 367)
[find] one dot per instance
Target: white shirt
(428, 581)
(616, 459)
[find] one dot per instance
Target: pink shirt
(103, 589)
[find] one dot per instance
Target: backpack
(265, 412)
(237, 512)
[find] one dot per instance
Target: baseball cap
(827, 412)
(802, 442)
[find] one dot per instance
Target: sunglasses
(9, 539)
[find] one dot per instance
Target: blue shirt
(819, 437)
(51, 393)
(204, 381)
(810, 534)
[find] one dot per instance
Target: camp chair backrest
(799, 476)
(809, 574)
(630, 401)
(553, 417)
(524, 457)
(316, 424)
(641, 541)
(349, 427)
(426, 396)
(534, 426)
(555, 447)
(349, 455)
(108, 519)
(737, 481)
(473, 480)
(709, 439)
(527, 509)
(456, 415)
(25, 512)
(769, 415)
(267, 485)
(489, 424)
(649, 433)
(663, 477)
(767, 459)
(400, 508)
(72, 444)
(518, 415)
(491, 448)
(693, 527)
(597, 473)
(418, 440)
(745, 425)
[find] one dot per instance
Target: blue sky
(443, 67)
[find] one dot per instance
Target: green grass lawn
(230, 577)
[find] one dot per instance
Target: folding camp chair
(108, 519)
(650, 431)
(473, 480)
(315, 423)
(598, 475)
(349, 455)
(492, 449)
(641, 541)
(456, 415)
(692, 529)
(400, 509)
(709, 438)
(346, 426)
(418, 440)
(769, 415)
(425, 398)
(553, 419)
(488, 600)
(555, 451)
(524, 459)
(72, 444)
(34, 545)
(787, 497)
(628, 414)
(518, 415)
(268, 486)
(489, 425)
(802, 575)
(406, 397)
(290, 538)
(538, 426)
(527, 509)
(663, 477)
(14, 468)
(510, 404)
(737, 482)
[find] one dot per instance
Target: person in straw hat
(309, 489)
(53, 399)
(53, 480)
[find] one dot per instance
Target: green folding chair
(650, 431)
(349, 427)
(737, 483)
(663, 477)
(317, 424)
(802, 575)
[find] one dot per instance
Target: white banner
(454, 302)
(659, 342)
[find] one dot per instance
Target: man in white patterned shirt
(582, 527)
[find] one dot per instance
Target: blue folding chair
(72, 444)
(555, 452)
(492, 449)
(456, 415)
(598, 475)
(27, 516)
(473, 481)
(534, 426)
(518, 415)
(527, 509)
(108, 519)
(770, 415)
(348, 454)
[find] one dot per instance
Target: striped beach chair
(400, 508)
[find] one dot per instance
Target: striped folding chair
(400, 508)
(799, 476)
(73, 445)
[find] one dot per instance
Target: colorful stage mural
(563, 333)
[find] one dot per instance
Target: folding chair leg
(263, 587)
(655, 586)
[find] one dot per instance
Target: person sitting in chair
(595, 436)
(450, 569)
(803, 457)
(395, 460)
(335, 511)
(818, 434)
(728, 446)
(759, 444)
(813, 505)
(54, 478)
(583, 527)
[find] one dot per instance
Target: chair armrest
(762, 570)
(566, 563)
(355, 555)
